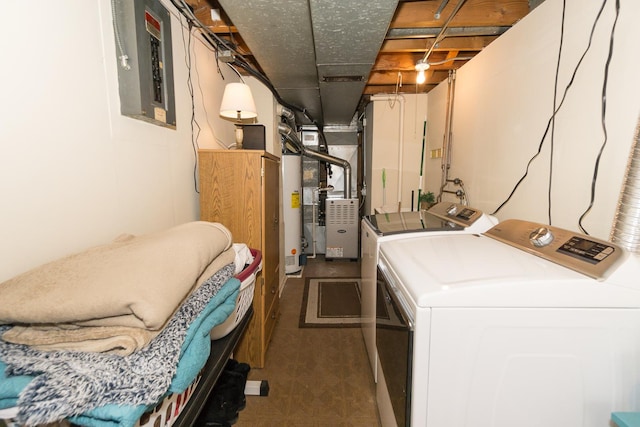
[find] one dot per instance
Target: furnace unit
(342, 224)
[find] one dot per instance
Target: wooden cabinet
(239, 188)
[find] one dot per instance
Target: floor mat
(330, 303)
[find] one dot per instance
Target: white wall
(383, 139)
(73, 172)
(504, 99)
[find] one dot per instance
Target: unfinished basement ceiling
(317, 53)
(329, 56)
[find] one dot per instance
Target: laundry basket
(247, 279)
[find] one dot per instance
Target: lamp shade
(237, 102)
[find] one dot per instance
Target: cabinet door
(271, 242)
(240, 189)
(271, 247)
(230, 193)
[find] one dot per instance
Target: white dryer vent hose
(626, 223)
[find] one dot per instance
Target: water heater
(292, 211)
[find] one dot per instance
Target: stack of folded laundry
(99, 336)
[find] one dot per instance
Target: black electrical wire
(211, 37)
(194, 122)
(602, 119)
(566, 90)
(220, 44)
(553, 117)
(264, 80)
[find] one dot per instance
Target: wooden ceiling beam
(474, 13)
(202, 11)
(406, 61)
(422, 45)
(408, 88)
(387, 78)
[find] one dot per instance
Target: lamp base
(239, 137)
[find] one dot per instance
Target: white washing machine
(444, 217)
(526, 325)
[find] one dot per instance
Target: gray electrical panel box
(142, 30)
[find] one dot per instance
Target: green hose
(384, 186)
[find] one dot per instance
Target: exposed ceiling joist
(326, 56)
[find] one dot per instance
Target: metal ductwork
(626, 223)
(292, 137)
(317, 53)
(286, 113)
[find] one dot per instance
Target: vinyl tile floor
(318, 377)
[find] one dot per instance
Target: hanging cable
(216, 41)
(219, 44)
(564, 96)
(265, 81)
(123, 57)
(237, 72)
(602, 118)
(553, 116)
(392, 101)
(194, 123)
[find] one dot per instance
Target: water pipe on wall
(448, 134)
(394, 98)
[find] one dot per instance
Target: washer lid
(477, 271)
(386, 224)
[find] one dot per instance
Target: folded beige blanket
(136, 282)
(121, 340)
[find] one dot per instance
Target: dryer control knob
(541, 236)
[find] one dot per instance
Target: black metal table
(220, 352)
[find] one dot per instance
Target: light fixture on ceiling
(423, 63)
(421, 67)
(238, 105)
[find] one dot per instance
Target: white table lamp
(237, 105)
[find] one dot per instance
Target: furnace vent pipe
(289, 134)
(626, 223)
(286, 113)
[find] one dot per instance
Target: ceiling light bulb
(421, 66)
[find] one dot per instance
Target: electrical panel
(142, 30)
